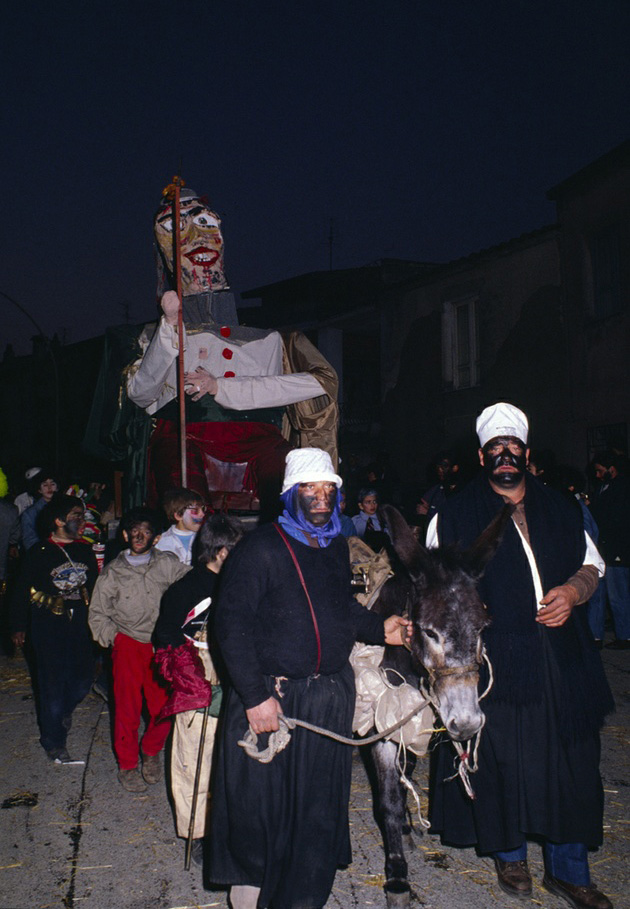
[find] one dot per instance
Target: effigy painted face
(201, 246)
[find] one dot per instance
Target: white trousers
(184, 755)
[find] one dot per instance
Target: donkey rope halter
(279, 740)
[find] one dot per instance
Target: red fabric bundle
(261, 445)
(183, 669)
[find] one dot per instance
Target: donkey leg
(392, 813)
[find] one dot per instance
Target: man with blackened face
(540, 745)
(317, 501)
(285, 623)
(504, 459)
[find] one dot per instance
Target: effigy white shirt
(249, 373)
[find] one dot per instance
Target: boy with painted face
(186, 510)
(123, 613)
(51, 600)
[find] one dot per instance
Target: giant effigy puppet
(250, 395)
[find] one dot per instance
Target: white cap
(32, 472)
(309, 465)
(502, 420)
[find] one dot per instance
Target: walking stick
(193, 807)
(172, 192)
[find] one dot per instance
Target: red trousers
(135, 675)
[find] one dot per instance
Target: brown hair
(177, 499)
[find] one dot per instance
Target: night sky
(425, 130)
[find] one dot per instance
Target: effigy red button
(227, 353)
(225, 331)
(229, 374)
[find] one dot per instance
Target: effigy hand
(200, 383)
(170, 307)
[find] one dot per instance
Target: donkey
(437, 588)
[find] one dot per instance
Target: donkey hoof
(398, 894)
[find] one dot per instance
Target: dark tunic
(180, 598)
(539, 756)
(283, 826)
(62, 644)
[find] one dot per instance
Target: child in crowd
(186, 511)
(366, 523)
(366, 519)
(123, 612)
(183, 654)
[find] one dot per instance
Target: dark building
(542, 320)
(45, 399)
(594, 229)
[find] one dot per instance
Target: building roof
(616, 157)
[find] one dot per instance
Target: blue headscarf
(293, 519)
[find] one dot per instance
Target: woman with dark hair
(184, 657)
(42, 487)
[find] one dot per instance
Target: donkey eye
(430, 633)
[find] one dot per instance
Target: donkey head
(448, 617)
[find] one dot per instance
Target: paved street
(72, 837)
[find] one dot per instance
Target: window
(605, 273)
(460, 359)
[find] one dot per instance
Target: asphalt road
(72, 837)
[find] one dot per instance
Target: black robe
(283, 826)
(539, 756)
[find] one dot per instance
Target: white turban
(309, 465)
(502, 420)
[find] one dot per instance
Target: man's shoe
(578, 897)
(619, 644)
(131, 780)
(514, 878)
(61, 756)
(151, 768)
(196, 853)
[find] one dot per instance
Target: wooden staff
(193, 807)
(173, 192)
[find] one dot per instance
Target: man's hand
(18, 638)
(200, 383)
(557, 604)
(170, 306)
(397, 630)
(264, 717)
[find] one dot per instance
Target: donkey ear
(413, 556)
(487, 543)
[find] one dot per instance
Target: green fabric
(208, 411)
(217, 700)
(117, 429)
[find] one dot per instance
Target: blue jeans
(596, 611)
(64, 669)
(566, 861)
(618, 587)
